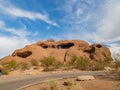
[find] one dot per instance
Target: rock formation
(62, 50)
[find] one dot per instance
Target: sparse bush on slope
(50, 63)
(34, 62)
(82, 63)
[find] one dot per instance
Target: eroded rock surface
(62, 50)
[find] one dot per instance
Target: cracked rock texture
(62, 50)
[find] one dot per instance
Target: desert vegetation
(50, 63)
(88, 57)
(112, 83)
(68, 84)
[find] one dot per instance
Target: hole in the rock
(99, 46)
(65, 46)
(45, 46)
(24, 54)
(53, 46)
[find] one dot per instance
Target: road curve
(13, 83)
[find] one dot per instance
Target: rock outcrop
(62, 50)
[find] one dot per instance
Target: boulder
(62, 50)
(85, 78)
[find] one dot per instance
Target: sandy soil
(99, 83)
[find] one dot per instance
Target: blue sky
(26, 21)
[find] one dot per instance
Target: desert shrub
(58, 64)
(117, 64)
(53, 85)
(50, 63)
(108, 59)
(95, 66)
(5, 71)
(11, 65)
(24, 66)
(73, 60)
(82, 63)
(34, 62)
(67, 66)
(70, 82)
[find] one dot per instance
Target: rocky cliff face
(62, 50)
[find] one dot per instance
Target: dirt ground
(99, 83)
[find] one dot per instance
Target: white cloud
(17, 40)
(17, 12)
(2, 24)
(108, 28)
(115, 51)
(9, 44)
(23, 32)
(78, 12)
(105, 21)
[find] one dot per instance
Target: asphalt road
(13, 83)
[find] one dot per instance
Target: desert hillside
(62, 50)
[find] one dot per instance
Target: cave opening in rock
(99, 46)
(45, 46)
(24, 54)
(53, 46)
(65, 46)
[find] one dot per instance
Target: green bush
(50, 63)
(11, 64)
(82, 63)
